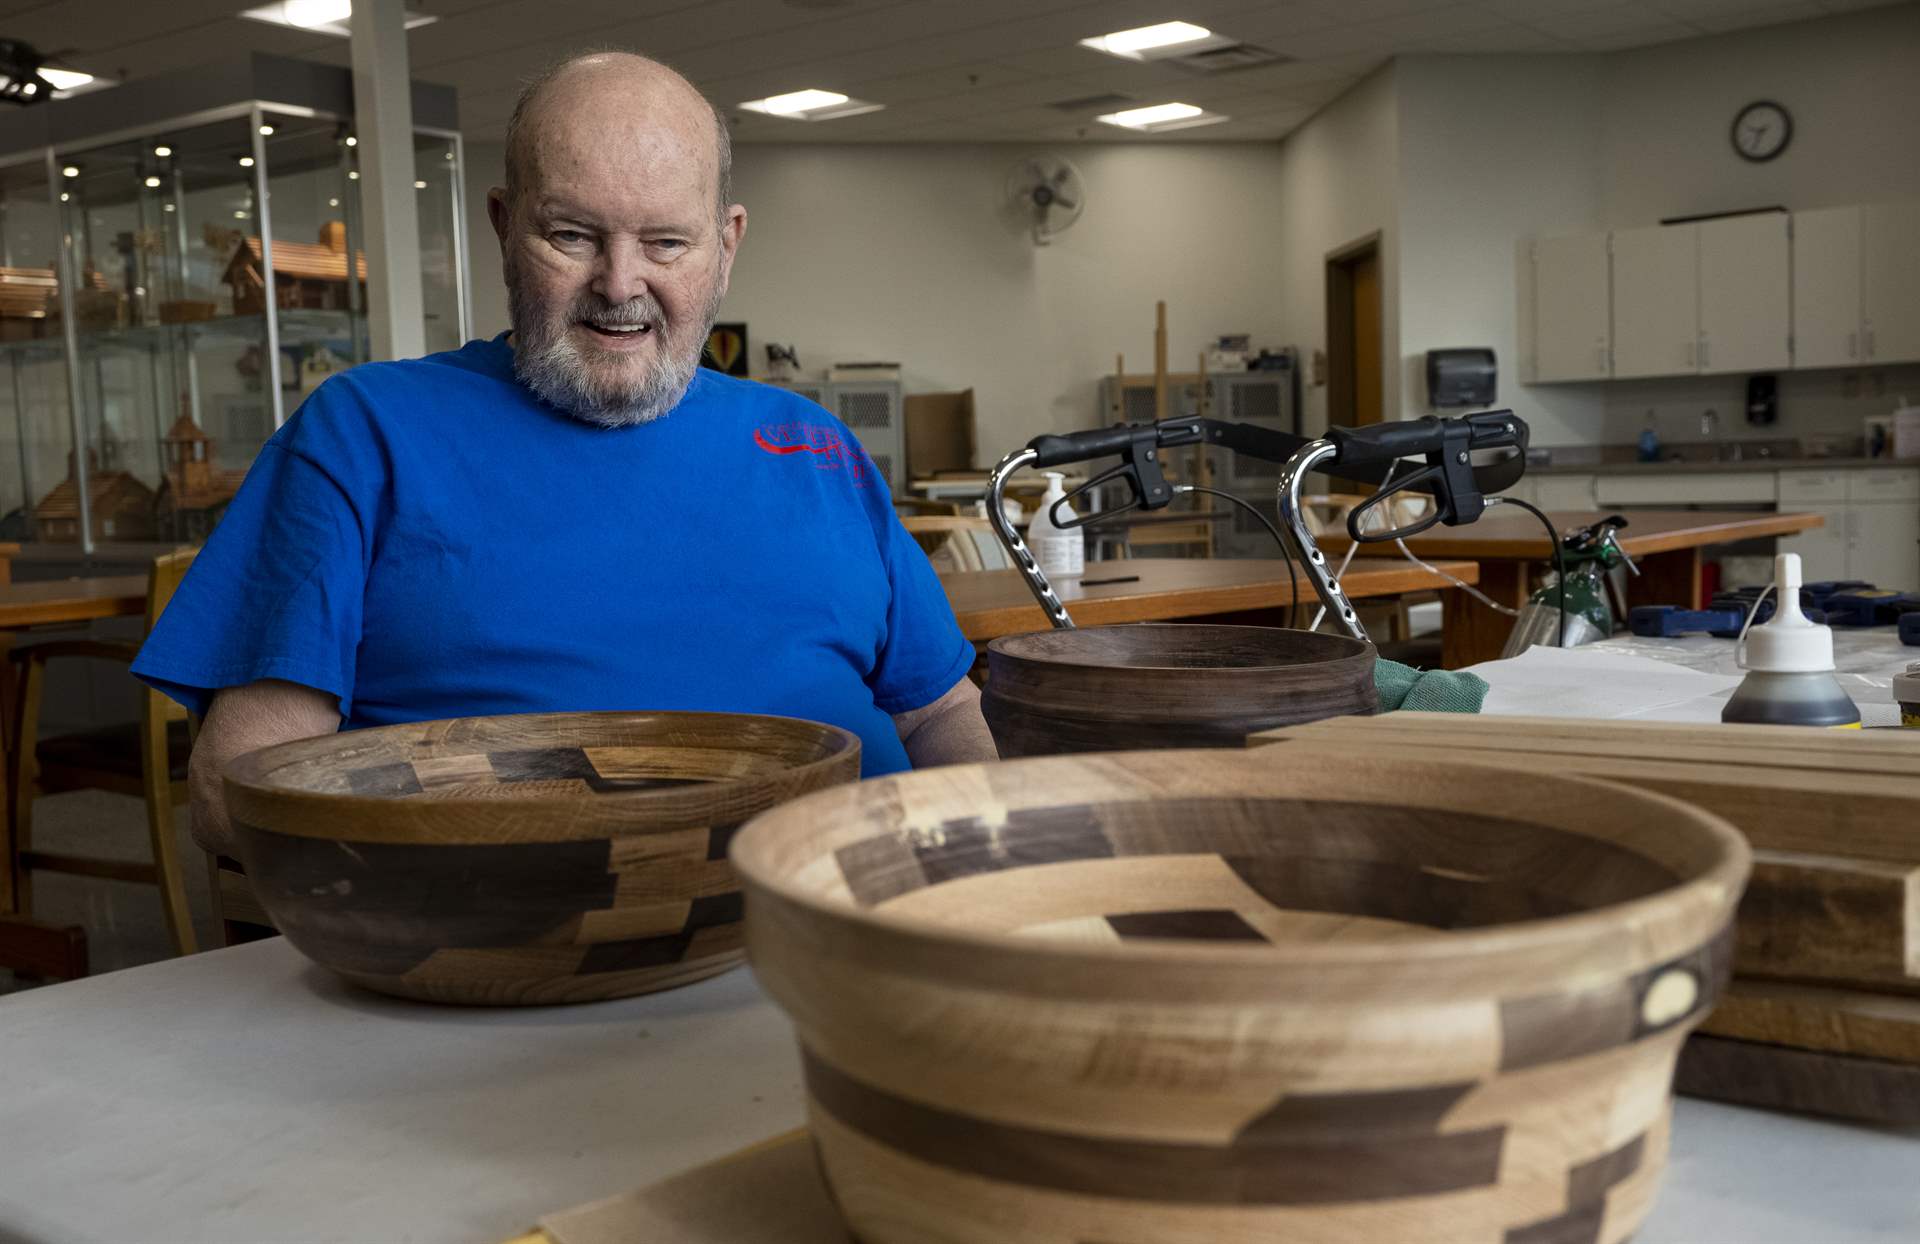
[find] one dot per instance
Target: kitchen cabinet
(1890, 282)
(1571, 308)
(1565, 492)
(1656, 301)
(1826, 287)
(1746, 278)
(1717, 488)
(1872, 529)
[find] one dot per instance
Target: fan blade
(1065, 172)
(1061, 200)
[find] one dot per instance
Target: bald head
(612, 106)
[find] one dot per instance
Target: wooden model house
(122, 506)
(310, 276)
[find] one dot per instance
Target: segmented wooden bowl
(557, 857)
(1195, 997)
(1167, 684)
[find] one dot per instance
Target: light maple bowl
(1198, 997)
(557, 857)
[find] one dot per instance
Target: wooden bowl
(1167, 684)
(1194, 997)
(555, 857)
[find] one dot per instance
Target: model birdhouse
(195, 491)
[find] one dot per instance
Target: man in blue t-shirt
(573, 516)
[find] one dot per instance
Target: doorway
(1355, 366)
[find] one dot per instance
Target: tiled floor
(123, 922)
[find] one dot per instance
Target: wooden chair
(147, 759)
(957, 543)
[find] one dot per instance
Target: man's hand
(949, 731)
(239, 720)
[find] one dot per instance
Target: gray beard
(548, 361)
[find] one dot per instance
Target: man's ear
(732, 230)
(500, 212)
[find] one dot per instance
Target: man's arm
(949, 731)
(239, 720)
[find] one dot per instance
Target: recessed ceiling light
(1158, 117)
(163, 151)
(71, 170)
(266, 131)
(352, 141)
(327, 17)
(239, 215)
(419, 185)
(246, 161)
(333, 203)
(153, 183)
(1143, 42)
(64, 196)
(352, 175)
(810, 105)
(166, 207)
(65, 79)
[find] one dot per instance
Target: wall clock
(1762, 131)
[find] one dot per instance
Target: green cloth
(1427, 691)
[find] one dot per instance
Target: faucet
(1710, 429)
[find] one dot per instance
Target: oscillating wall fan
(1048, 190)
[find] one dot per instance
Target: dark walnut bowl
(555, 857)
(1174, 997)
(1167, 684)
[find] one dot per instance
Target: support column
(383, 120)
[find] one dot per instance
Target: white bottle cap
(1789, 643)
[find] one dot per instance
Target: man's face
(616, 256)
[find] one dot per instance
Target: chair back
(163, 579)
(956, 543)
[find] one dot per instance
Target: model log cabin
(307, 276)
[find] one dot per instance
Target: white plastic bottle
(1061, 554)
(1789, 664)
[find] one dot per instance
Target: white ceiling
(947, 70)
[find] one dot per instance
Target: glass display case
(171, 292)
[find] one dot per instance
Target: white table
(243, 1095)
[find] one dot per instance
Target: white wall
(1492, 150)
(1338, 182)
(904, 254)
(486, 168)
(1852, 84)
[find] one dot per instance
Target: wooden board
(1775, 1077)
(1832, 919)
(1515, 534)
(1833, 1021)
(992, 603)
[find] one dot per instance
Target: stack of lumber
(1824, 1011)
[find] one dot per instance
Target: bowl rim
(248, 776)
(1362, 650)
(1011, 960)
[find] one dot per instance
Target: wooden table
(992, 603)
(71, 600)
(1510, 546)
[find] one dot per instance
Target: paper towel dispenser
(1463, 377)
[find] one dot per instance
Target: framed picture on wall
(726, 349)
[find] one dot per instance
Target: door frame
(1340, 344)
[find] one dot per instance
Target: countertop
(244, 1095)
(1606, 461)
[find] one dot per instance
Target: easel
(1197, 469)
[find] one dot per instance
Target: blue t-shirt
(426, 539)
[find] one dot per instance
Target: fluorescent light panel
(1157, 117)
(1149, 42)
(65, 79)
(811, 104)
(327, 17)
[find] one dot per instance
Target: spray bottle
(1789, 664)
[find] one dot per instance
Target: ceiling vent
(1226, 59)
(1091, 103)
